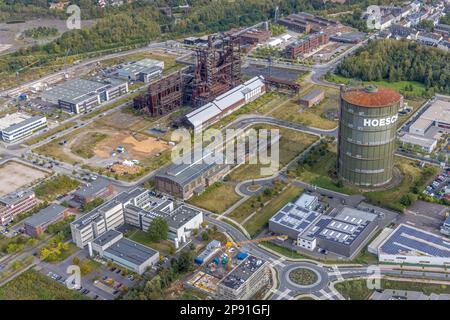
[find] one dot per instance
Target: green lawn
(426, 288)
(259, 220)
(413, 176)
(216, 198)
(357, 289)
(354, 289)
(165, 247)
(254, 203)
(50, 189)
(67, 253)
(32, 285)
(315, 116)
(292, 143)
(418, 88)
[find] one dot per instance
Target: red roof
(366, 98)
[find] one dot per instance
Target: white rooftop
(12, 119)
(438, 111)
(305, 200)
(418, 140)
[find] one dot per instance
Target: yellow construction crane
(229, 244)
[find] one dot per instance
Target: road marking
(325, 294)
(284, 294)
(278, 262)
(411, 223)
(338, 273)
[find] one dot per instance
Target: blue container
(241, 255)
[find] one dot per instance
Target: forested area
(141, 21)
(397, 61)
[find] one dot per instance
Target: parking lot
(425, 215)
(440, 186)
(113, 277)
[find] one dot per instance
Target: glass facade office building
(367, 132)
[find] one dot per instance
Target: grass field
(50, 189)
(399, 86)
(354, 289)
(217, 198)
(318, 172)
(165, 247)
(254, 203)
(413, 176)
(357, 289)
(84, 147)
(322, 164)
(259, 220)
(315, 116)
(32, 285)
(291, 144)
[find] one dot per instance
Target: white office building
(16, 126)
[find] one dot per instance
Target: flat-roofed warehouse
(437, 114)
(36, 224)
(81, 95)
(16, 126)
(408, 244)
(312, 98)
(125, 252)
(143, 70)
(185, 180)
(426, 144)
(226, 103)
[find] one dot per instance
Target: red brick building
(305, 45)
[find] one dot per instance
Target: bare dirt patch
(15, 175)
(137, 146)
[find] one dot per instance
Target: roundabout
(303, 277)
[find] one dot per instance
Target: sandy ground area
(14, 175)
(137, 146)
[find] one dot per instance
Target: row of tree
(398, 61)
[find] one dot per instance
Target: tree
(158, 229)
(76, 260)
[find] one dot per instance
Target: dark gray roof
(180, 216)
(131, 251)
(46, 215)
(242, 272)
(185, 173)
(312, 94)
(91, 189)
(106, 237)
(23, 123)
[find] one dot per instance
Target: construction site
(215, 70)
(219, 264)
